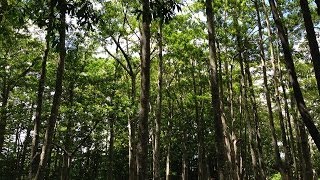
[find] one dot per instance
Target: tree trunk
(169, 140)
(132, 133)
(156, 152)
(267, 90)
(34, 158)
(218, 126)
(185, 163)
(226, 134)
(145, 92)
(286, 164)
(233, 137)
(110, 174)
(306, 117)
(291, 137)
(308, 173)
(312, 39)
(57, 96)
(24, 153)
(3, 115)
(65, 171)
(255, 142)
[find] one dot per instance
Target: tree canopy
(161, 89)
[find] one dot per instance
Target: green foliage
(101, 93)
(276, 176)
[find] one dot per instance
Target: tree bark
(62, 6)
(156, 152)
(218, 126)
(227, 140)
(65, 171)
(278, 160)
(266, 89)
(3, 115)
(255, 142)
(233, 137)
(34, 158)
(24, 153)
(306, 117)
(145, 92)
(111, 149)
(185, 164)
(169, 140)
(307, 173)
(286, 164)
(291, 139)
(312, 39)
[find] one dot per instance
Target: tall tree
(34, 158)
(156, 153)
(143, 131)
(218, 126)
(46, 147)
(312, 39)
(306, 117)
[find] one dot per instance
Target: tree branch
(126, 56)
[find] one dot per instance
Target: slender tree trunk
(168, 162)
(226, 134)
(306, 117)
(255, 142)
(145, 92)
(24, 153)
(110, 174)
(169, 140)
(57, 96)
(233, 137)
(291, 139)
(308, 173)
(218, 125)
(156, 153)
(256, 129)
(48, 166)
(185, 164)
(312, 39)
(65, 171)
(132, 133)
(3, 115)
(34, 158)
(267, 90)
(303, 148)
(286, 164)
(199, 125)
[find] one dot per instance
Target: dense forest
(159, 89)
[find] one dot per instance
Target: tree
(143, 132)
(34, 158)
(215, 92)
(307, 119)
(46, 148)
(311, 36)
